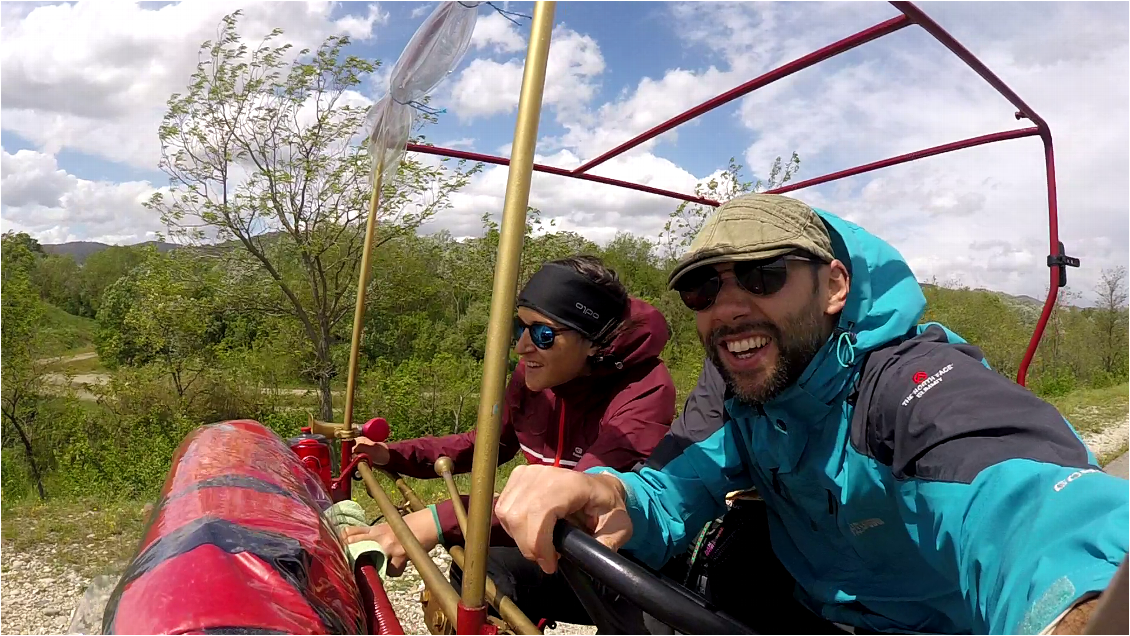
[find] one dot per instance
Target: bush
(1058, 384)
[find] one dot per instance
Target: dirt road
(81, 383)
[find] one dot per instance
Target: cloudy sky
(84, 86)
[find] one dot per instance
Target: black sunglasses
(542, 335)
(699, 288)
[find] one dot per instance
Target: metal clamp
(1062, 261)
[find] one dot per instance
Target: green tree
(260, 149)
(57, 277)
(451, 389)
(687, 218)
(102, 269)
(1111, 320)
(1053, 341)
(24, 250)
(21, 372)
(165, 312)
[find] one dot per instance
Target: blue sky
(623, 28)
(86, 83)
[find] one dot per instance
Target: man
(906, 486)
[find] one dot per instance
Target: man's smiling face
(762, 343)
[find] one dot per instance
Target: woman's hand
(377, 452)
(421, 523)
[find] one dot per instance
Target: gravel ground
(1109, 440)
(39, 592)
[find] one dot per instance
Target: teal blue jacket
(909, 486)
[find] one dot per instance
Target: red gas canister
(314, 451)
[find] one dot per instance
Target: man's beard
(799, 341)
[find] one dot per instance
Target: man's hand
(377, 452)
(422, 525)
(1075, 621)
(1103, 615)
(535, 498)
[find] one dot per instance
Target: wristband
(439, 526)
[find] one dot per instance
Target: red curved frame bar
(911, 15)
(378, 608)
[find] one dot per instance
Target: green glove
(349, 513)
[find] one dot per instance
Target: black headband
(563, 294)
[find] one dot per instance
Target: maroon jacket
(613, 417)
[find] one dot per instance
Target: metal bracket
(1062, 261)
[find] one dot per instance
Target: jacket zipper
(560, 435)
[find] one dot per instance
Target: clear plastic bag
(389, 124)
(434, 51)
(431, 55)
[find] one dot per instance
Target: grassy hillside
(67, 333)
(1027, 308)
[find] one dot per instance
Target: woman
(589, 390)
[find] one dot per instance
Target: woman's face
(565, 360)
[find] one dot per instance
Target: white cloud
(96, 81)
(487, 87)
(54, 206)
(94, 77)
(497, 32)
(596, 210)
(361, 28)
(884, 102)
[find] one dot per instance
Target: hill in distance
(80, 250)
(1028, 307)
(1022, 300)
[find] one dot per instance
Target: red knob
(376, 429)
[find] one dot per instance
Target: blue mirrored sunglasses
(541, 335)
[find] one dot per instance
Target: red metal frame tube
(911, 14)
(503, 161)
(910, 156)
(948, 41)
(919, 17)
(472, 621)
(1053, 284)
(799, 64)
(342, 487)
(378, 608)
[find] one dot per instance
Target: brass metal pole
(502, 305)
(510, 612)
(443, 468)
(414, 501)
(429, 571)
(359, 311)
